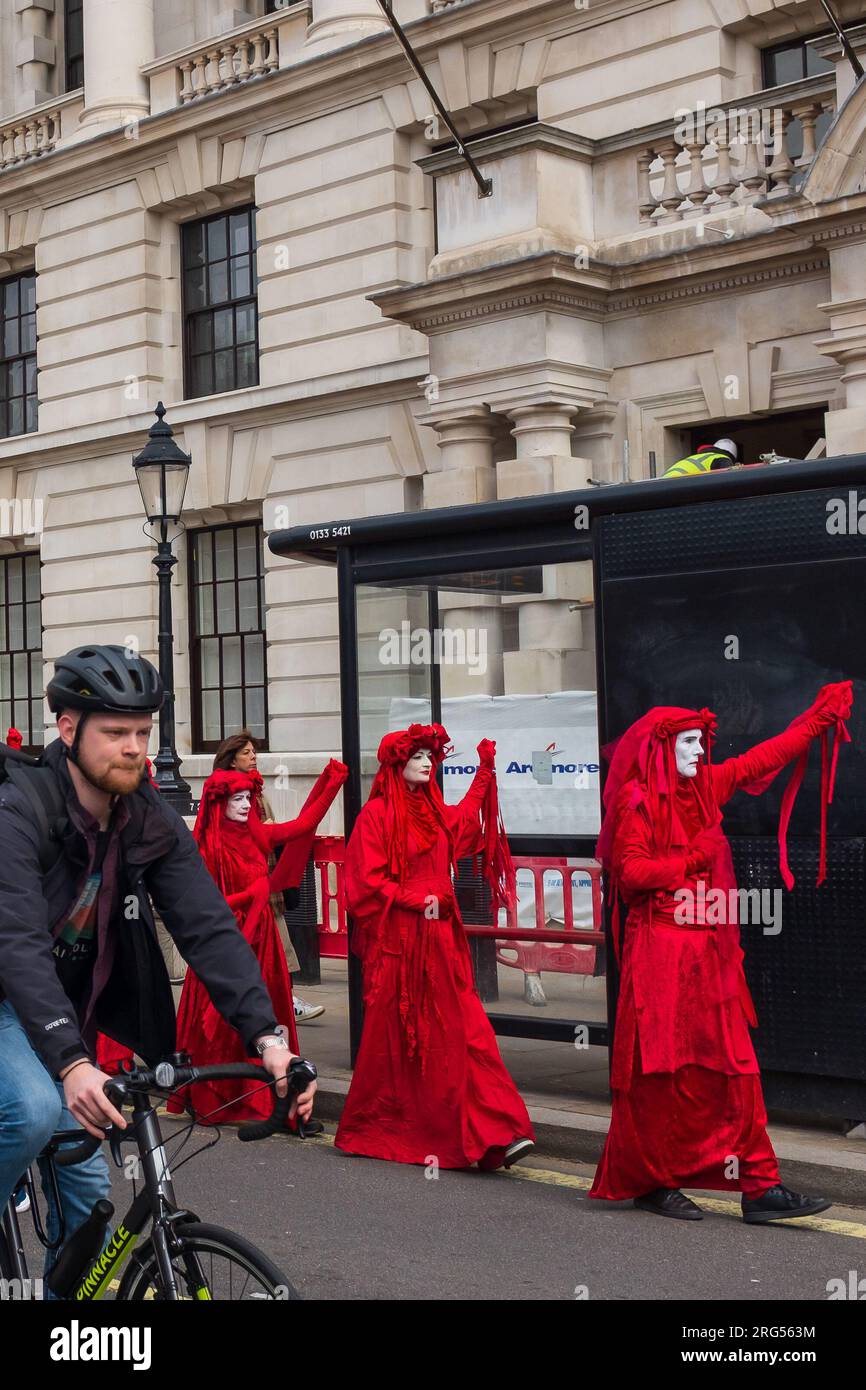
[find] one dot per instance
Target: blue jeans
(31, 1109)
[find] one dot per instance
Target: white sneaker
(304, 1011)
(23, 1203)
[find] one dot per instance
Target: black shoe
(669, 1201)
(779, 1204)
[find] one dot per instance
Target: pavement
(565, 1088)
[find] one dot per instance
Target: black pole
(167, 763)
(350, 721)
(485, 186)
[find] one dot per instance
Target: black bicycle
(182, 1257)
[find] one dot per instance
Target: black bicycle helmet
(106, 678)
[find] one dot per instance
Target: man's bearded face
(113, 749)
(689, 749)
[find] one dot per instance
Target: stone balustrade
(228, 63)
(725, 157)
(29, 136)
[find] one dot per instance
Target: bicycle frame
(155, 1202)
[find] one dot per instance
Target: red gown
(242, 863)
(429, 1081)
(687, 1096)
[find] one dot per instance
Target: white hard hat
(727, 446)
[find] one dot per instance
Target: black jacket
(155, 857)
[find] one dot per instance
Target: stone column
(467, 474)
(118, 39)
(35, 53)
(339, 22)
(543, 462)
(846, 344)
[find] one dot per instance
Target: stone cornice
(534, 136)
(551, 281)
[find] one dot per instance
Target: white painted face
(419, 768)
(688, 751)
(238, 807)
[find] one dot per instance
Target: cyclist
(78, 945)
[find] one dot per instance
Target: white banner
(546, 755)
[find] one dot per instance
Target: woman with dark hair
(429, 1083)
(237, 753)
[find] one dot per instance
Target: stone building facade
(253, 214)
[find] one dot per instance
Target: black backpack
(39, 785)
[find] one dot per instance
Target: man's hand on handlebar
(276, 1062)
(83, 1088)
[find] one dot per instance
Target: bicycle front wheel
(210, 1264)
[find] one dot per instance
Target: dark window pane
(248, 551)
(11, 337)
(16, 416)
(222, 328)
(201, 333)
(233, 708)
(32, 414)
(245, 323)
(205, 609)
(204, 556)
(239, 225)
(210, 663)
(28, 294)
(255, 713)
(816, 63)
(193, 245)
(28, 333)
(226, 618)
(37, 725)
(224, 371)
(248, 605)
(231, 661)
(201, 376)
(34, 625)
(16, 627)
(16, 377)
(224, 543)
(218, 282)
(247, 372)
(786, 65)
(15, 579)
(30, 375)
(217, 243)
(254, 666)
(242, 284)
(11, 306)
(195, 296)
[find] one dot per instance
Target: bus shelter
(550, 623)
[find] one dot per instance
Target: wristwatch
(271, 1040)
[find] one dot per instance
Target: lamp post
(162, 470)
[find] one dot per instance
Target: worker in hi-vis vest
(708, 458)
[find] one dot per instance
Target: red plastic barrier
(329, 860)
(565, 958)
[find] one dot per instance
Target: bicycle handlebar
(167, 1076)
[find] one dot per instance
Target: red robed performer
(429, 1082)
(235, 846)
(688, 1110)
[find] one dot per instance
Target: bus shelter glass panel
(392, 664)
(508, 655)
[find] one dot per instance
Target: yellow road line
(721, 1205)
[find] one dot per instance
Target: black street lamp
(162, 470)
